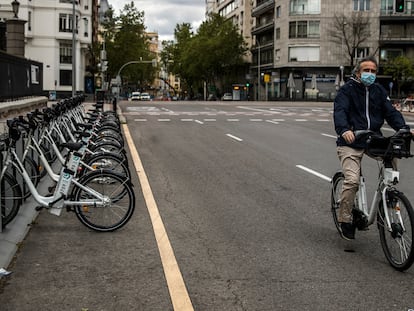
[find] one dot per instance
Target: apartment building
(49, 39)
(295, 54)
(239, 11)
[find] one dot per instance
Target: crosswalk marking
(274, 121)
(249, 114)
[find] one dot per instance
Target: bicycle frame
(58, 200)
(385, 184)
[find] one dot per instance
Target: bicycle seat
(72, 146)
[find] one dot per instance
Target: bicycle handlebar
(369, 133)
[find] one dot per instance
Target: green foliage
(126, 41)
(210, 55)
(401, 69)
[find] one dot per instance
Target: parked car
(135, 96)
(145, 96)
(227, 96)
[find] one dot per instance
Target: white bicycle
(389, 206)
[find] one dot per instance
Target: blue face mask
(368, 78)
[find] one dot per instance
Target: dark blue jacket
(357, 107)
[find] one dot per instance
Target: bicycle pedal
(39, 208)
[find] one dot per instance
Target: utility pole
(73, 48)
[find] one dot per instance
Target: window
(301, 29)
(313, 29)
(65, 77)
(35, 74)
(362, 5)
(299, 7)
(278, 33)
(389, 54)
(228, 9)
(86, 23)
(29, 21)
(304, 29)
(65, 53)
(304, 53)
(66, 22)
(277, 55)
(278, 11)
(361, 52)
(387, 6)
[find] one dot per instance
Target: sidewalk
(15, 232)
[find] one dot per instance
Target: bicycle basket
(389, 147)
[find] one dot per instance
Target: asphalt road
(248, 222)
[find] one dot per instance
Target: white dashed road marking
(314, 173)
(234, 137)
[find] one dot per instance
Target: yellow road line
(175, 282)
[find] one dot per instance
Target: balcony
(263, 8)
(390, 15)
(394, 39)
(263, 28)
(263, 46)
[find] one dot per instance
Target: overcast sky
(163, 15)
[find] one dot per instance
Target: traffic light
(399, 6)
(247, 84)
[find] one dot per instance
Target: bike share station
(94, 160)
(10, 237)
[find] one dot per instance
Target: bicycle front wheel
(337, 182)
(116, 207)
(10, 197)
(397, 240)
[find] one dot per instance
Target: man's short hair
(365, 59)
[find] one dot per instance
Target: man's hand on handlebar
(349, 136)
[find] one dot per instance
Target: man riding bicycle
(361, 104)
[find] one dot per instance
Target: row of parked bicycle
(81, 151)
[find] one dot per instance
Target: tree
(350, 32)
(219, 48)
(126, 41)
(211, 55)
(401, 69)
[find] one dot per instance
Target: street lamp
(15, 6)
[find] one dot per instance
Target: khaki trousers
(350, 160)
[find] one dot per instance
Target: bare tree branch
(351, 32)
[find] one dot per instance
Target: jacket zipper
(367, 107)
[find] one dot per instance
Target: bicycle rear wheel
(119, 201)
(337, 181)
(397, 241)
(10, 197)
(108, 161)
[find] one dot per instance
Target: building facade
(305, 49)
(239, 11)
(49, 39)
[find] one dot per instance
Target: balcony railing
(400, 38)
(263, 46)
(264, 27)
(392, 13)
(263, 7)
